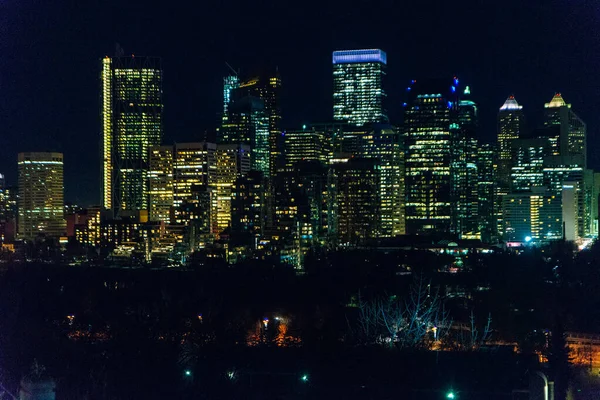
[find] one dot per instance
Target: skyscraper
(306, 144)
(358, 80)
(160, 183)
(41, 197)
(232, 161)
(487, 204)
(573, 131)
(428, 143)
(194, 170)
(383, 143)
(464, 165)
(131, 123)
(353, 200)
(252, 115)
(511, 122)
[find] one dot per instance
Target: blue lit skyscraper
(358, 95)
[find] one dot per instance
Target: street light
(187, 372)
(304, 378)
(450, 395)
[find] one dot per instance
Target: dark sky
(50, 52)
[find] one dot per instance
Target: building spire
(557, 101)
(510, 104)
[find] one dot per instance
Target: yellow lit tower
(41, 198)
(510, 127)
(132, 122)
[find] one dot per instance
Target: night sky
(50, 52)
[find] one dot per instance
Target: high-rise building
(160, 183)
(358, 86)
(41, 195)
(561, 169)
(385, 144)
(528, 157)
(535, 215)
(232, 161)
(463, 171)
(511, 122)
(487, 203)
(428, 143)
(353, 200)
(248, 207)
(132, 122)
(252, 115)
(248, 123)
(306, 144)
(194, 171)
(573, 131)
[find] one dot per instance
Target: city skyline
(54, 122)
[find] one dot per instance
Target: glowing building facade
(232, 162)
(511, 121)
(536, 215)
(252, 116)
(428, 143)
(41, 195)
(383, 143)
(131, 123)
(306, 144)
(487, 203)
(160, 183)
(573, 131)
(194, 170)
(353, 200)
(358, 80)
(463, 171)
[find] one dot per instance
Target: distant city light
(528, 239)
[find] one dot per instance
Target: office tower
(428, 143)
(252, 115)
(248, 123)
(536, 215)
(590, 195)
(232, 161)
(230, 83)
(41, 201)
(358, 86)
(511, 125)
(8, 213)
(353, 200)
(573, 131)
(560, 169)
(194, 170)
(487, 204)
(86, 226)
(571, 194)
(528, 162)
(160, 183)
(385, 144)
(463, 170)
(248, 208)
(306, 144)
(131, 123)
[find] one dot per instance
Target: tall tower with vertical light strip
(132, 122)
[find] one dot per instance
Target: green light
(188, 372)
(450, 395)
(304, 378)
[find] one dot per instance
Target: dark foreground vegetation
(260, 331)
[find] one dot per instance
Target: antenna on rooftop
(231, 68)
